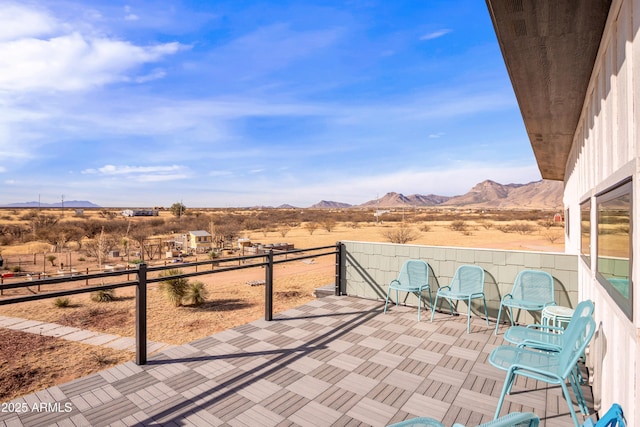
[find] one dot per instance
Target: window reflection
(614, 244)
(585, 231)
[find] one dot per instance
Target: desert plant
(213, 254)
(486, 224)
(425, 227)
(62, 302)
(329, 224)
(522, 228)
(16, 269)
(311, 227)
(102, 359)
(103, 295)
(284, 230)
(546, 223)
(51, 259)
(174, 288)
(177, 209)
(458, 225)
(402, 234)
(196, 293)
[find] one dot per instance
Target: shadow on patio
(334, 361)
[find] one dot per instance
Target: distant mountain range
(67, 204)
(542, 194)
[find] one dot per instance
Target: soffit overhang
(549, 48)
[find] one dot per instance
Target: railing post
(141, 316)
(339, 250)
(268, 287)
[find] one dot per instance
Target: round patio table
(556, 316)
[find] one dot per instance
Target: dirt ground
(30, 362)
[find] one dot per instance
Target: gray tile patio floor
(334, 361)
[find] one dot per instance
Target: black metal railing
(145, 276)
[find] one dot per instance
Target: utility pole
(62, 204)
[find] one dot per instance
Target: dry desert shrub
(402, 234)
(103, 295)
(311, 227)
(62, 302)
(458, 225)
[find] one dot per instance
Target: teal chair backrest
(534, 286)
(576, 340)
(414, 273)
(468, 279)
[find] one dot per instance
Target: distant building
(139, 212)
(199, 241)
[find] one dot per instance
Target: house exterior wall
(369, 267)
(605, 152)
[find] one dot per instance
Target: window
(614, 209)
(585, 231)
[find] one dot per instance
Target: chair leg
(469, 316)
(575, 385)
(486, 313)
(498, 319)
(567, 396)
(433, 312)
(386, 301)
(419, 304)
(507, 382)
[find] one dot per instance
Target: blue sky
(244, 103)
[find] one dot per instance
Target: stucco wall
(369, 267)
(605, 151)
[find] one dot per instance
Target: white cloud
(40, 53)
(220, 173)
(127, 170)
(18, 21)
(435, 34)
(156, 74)
(2, 169)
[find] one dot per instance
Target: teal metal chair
(413, 278)
(543, 336)
(550, 367)
(467, 284)
(613, 418)
(550, 338)
(520, 419)
(532, 291)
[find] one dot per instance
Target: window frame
(615, 191)
(586, 256)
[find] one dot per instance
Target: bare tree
(311, 227)
(329, 224)
(100, 247)
(284, 230)
(402, 234)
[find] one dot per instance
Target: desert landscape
(54, 241)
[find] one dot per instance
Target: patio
(334, 361)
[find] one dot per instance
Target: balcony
(337, 360)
